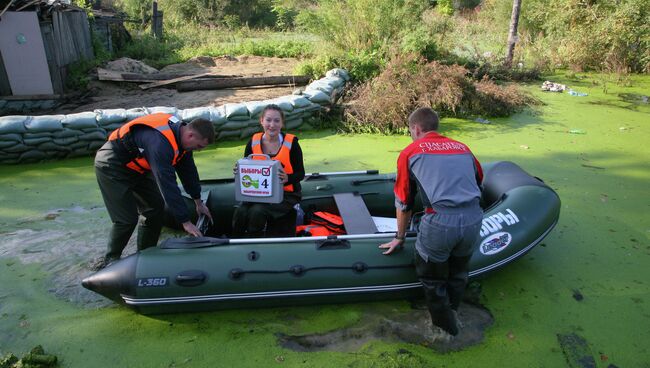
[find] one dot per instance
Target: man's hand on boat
(201, 209)
(191, 229)
(392, 246)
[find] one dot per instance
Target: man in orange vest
(136, 171)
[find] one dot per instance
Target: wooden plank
(173, 80)
(50, 54)
(115, 76)
(294, 80)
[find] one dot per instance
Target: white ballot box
(258, 180)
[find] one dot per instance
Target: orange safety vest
(313, 230)
(282, 156)
(158, 121)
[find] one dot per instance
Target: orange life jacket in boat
(157, 121)
(312, 230)
(332, 222)
(282, 155)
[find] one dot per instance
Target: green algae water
(589, 277)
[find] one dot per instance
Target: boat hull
(215, 273)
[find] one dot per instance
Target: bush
(608, 35)
(408, 82)
(360, 35)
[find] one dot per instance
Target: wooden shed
(38, 42)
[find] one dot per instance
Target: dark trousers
(444, 285)
(127, 195)
(255, 220)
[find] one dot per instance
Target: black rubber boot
(148, 234)
(433, 276)
(118, 239)
(458, 274)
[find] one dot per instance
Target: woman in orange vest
(260, 219)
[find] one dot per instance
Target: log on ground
(203, 84)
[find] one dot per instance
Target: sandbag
(317, 96)
(234, 125)
(13, 124)
(296, 101)
(5, 144)
(94, 136)
(37, 135)
(320, 85)
(36, 141)
(338, 72)
(32, 155)
(65, 133)
(110, 116)
(135, 113)
(51, 146)
(164, 110)
(335, 82)
(218, 115)
(78, 145)
(11, 137)
(285, 105)
(236, 111)
(293, 124)
(80, 120)
(248, 132)
(65, 141)
(255, 107)
(188, 115)
(44, 123)
(228, 134)
(17, 148)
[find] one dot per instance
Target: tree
(512, 35)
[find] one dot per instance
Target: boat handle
(191, 278)
(324, 187)
(329, 244)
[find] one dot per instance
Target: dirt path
(110, 95)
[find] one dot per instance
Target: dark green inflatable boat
(193, 274)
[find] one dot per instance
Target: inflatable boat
(196, 274)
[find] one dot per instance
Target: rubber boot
(149, 233)
(118, 239)
(433, 276)
(458, 274)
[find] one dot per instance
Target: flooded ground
(584, 289)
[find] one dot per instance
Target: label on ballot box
(257, 180)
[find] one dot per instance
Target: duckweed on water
(52, 222)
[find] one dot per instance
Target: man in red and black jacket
(136, 171)
(448, 177)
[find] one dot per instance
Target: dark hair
(272, 107)
(425, 118)
(203, 127)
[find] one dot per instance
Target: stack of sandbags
(36, 138)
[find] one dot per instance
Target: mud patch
(576, 351)
(413, 327)
(62, 241)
